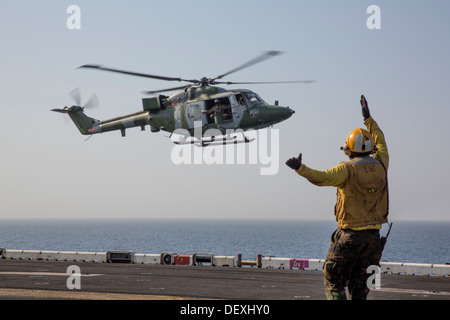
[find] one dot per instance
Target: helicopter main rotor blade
(93, 66)
(168, 89)
(266, 55)
(272, 82)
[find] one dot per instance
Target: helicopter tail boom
(138, 119)
(88, 126)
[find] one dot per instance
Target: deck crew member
(360, 210)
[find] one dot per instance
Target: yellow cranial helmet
(359, 141)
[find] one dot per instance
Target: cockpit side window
(253, 98)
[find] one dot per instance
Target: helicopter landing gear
(213, 140)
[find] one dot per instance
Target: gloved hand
(295, 163)
(365, 108)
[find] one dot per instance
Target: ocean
(414, 242)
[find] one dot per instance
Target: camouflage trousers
(348, 257)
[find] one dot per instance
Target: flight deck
(118, 275)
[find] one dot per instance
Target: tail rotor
(85, 124)
(76, 96)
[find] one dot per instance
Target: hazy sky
(48, 170)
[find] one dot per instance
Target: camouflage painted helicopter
(199, 101)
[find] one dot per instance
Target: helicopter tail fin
(85, 124)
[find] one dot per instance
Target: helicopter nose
(277, 114)
(286, 113)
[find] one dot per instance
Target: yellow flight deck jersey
(362, 195)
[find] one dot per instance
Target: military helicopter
(197, 102)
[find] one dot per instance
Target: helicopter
(197, 104)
